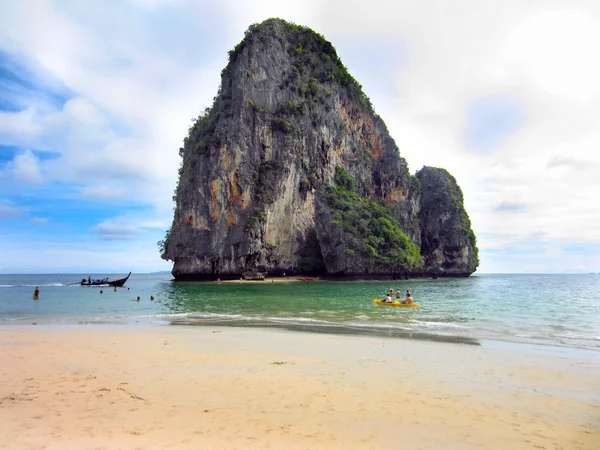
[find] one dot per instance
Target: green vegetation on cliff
(314, 61)
(369, 229)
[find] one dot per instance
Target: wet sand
(149, 387)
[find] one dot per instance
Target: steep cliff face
(292, 171)
(448, 243)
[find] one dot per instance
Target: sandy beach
(148, 387)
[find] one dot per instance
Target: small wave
(175, 315)
(144, 316)
(578, 337)
(297, 319)
(196, 315)
(398, 327)
(439, 324)
(449, 319)
(363, 317)
(558, 327)
(388, 326)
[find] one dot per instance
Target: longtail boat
(104, 281)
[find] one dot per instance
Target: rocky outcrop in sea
(291, 171)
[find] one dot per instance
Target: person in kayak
(409, 299)
(388, 297)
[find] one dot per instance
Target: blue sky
(96, 98)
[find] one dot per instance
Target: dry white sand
(125, 387)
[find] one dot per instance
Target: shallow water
(558, 310)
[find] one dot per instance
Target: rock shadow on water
(328, 329)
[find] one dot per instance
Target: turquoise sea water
(557, 310)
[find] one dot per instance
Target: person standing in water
(36, 293)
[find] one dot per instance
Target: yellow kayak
(396, 303)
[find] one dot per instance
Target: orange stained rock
(198, 221)
(397, 195)
(230, 216)
(214, 189)
(376, 147)
(225, 157)
(235, 191)
(201, 224)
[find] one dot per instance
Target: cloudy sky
(96, 98)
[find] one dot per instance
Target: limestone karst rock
(291, 171)
(448, 244)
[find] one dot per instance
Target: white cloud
(556, 49)
(132, 225)
(113, 231)
(51, 258)
(25, 168)
(134, 104)
(8, 210)
(18, 128)
(39, 221)
(104, 192)
(155, 3)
